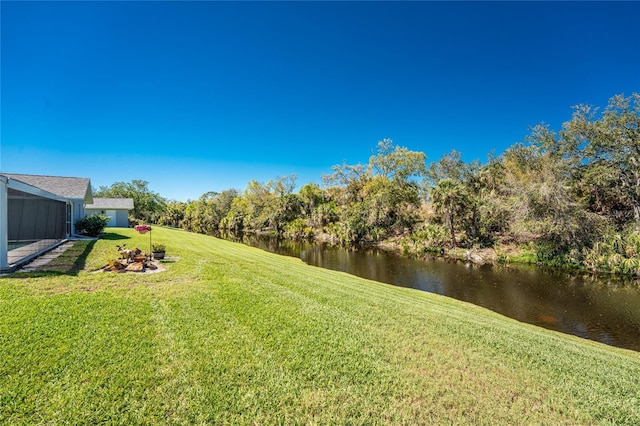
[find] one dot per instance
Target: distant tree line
(567, 197)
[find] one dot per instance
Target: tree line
(565, 197)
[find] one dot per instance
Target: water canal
(603, 309)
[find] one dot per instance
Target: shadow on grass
(112, 236)
(81, 259)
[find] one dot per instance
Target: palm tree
(449, 197)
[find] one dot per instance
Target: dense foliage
(567, 197)
(92, 225)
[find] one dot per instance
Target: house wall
(122, 218)
(78, 211)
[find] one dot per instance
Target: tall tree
(537, 188)
(257, 196)
(173, 214)
(610, 148)
(349, 179)
(449, 199)
(236, 216)
(378, 199)
(311, 196)
(205, 214)
(396, 162)
(457, 192)
(450, 166)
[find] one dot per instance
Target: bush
(92, 225)
(158, 247)
(618, 253)
(432, 235)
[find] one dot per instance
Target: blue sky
(204, 96)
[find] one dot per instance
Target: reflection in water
(589, 307)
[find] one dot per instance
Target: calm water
(605, 310)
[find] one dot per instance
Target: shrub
(618, 253)
(92, 225)
(158, 247)
(432, 235)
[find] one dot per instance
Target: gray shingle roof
(111, 204)
(67, 187)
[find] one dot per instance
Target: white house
(38, 213)
(116, 209)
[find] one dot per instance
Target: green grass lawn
(229, 334)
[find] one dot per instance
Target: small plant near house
(92, 225)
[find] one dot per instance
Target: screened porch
(34, 225)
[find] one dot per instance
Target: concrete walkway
(15, 255)
(40, 261)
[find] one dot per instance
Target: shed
(116, 209)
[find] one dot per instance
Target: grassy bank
(229, 334)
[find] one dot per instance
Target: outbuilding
(116, 209)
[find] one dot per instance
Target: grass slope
(229, 334)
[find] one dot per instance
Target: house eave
(30, 189)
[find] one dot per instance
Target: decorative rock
(135, 267)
